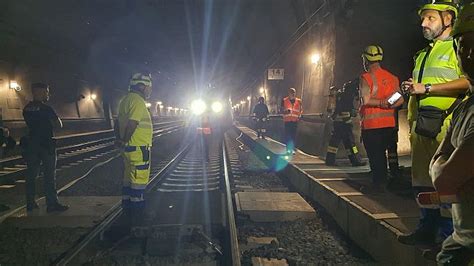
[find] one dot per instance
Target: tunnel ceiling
(184, 44)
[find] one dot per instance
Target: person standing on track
(135, 130)
(205, 132)
(39, 148)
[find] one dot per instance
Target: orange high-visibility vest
(382, 85)
(295, 110)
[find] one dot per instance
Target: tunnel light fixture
(198, 107)
(170, 108)
(159, 103)
(262, 90)
(216, 107)
(176, 109)
(14, 85)
(248, 98)
(242, 102)
(148, 105)
(315, 58)
(92, 97)
(268, 157)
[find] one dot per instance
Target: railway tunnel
(226, 197)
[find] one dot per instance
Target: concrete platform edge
(376, 237)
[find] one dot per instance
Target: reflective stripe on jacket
(205, 127)
(295, 110)
(382, 84)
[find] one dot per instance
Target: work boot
(430, 254)
(417, 238)
(397, 184)
(331, 163)
(358, 163)
(396, 173)
(138, 218)
(356, 160)
(30, 206)
(57, 207)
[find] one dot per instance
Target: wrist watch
(427, 88)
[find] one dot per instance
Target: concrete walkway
(371, 219)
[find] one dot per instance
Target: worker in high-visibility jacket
(342, 114)
(135, 139)
(291, 108)
(436, 87)
(377, 85)
(451, 168)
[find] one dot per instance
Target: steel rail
(116, 211)
(155, 181)
(234, 243)
(103, 145)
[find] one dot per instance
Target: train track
(82, 146)
(189, 216)
(93, 154)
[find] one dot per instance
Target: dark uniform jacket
(345, 101)
(38, 117)
(260, 110)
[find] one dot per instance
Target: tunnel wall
(340, 31)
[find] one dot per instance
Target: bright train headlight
(216, 107)
(198, 107)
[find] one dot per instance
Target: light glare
(315, 58)
(14, 85)
(198, 107)
(216, 107)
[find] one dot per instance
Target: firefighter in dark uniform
(260, 112)
(342, 122)
(39, 148)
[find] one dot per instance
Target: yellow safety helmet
(139, 78)
(446, 5)
(373, 53)
(465, 21)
